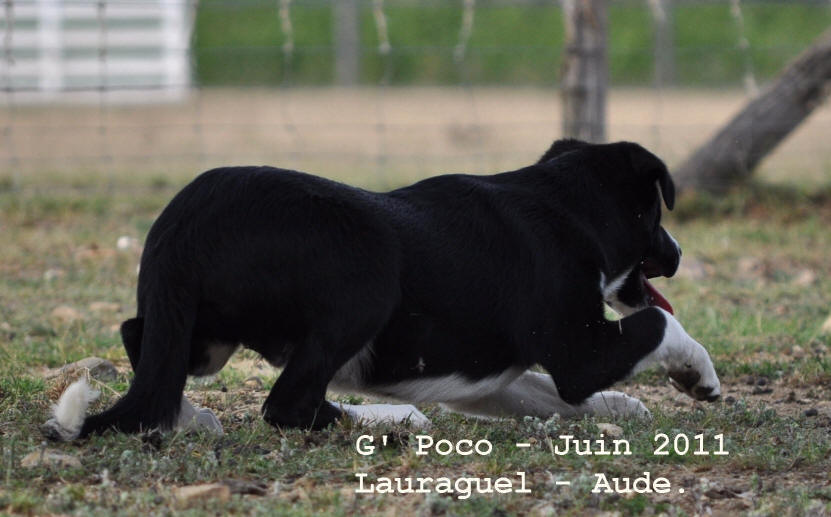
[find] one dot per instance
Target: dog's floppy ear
(648, 167)
(561, 147)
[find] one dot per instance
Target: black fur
(454, 274)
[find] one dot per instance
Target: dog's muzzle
(664, 256)
(662, 260)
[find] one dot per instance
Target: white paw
(206, 419)
(614, 404)
(197, 420)
(374, 414)
(689, 365)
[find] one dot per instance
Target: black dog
(447, 290)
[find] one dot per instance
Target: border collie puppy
(446, 291)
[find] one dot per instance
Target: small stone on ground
(610, 430)
(194, 494)
(65, 315)
(104, 307)
(49, 458)
(100, 369)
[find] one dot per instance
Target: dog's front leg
(604, 352)
(687, 362)
(297, 398)
(535, 394)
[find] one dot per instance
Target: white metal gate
(119, 50)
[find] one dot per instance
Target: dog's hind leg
(339, 328)
(154, 397)
(297, 398)
(535, 394)
(131, 331)
(189, 416)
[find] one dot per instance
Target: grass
(241, 43)
(754, 289)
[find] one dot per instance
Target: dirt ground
(717, 489)
(367, 133)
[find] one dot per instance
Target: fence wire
(139, 88)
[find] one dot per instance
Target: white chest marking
(610, 289)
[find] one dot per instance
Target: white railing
(107, 49)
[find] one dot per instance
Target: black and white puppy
(446, 291)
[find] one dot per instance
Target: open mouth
(649, 270)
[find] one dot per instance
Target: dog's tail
(160, 362)
(68, 414)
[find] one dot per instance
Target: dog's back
(279, 260)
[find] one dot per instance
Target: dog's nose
(670, 253)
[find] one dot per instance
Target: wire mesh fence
(375, 91)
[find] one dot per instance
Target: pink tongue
(656, 298)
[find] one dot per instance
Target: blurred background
(377, 92)
(107, 107)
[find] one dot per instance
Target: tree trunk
(733, 152)
(584, 72)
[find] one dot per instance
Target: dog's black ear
(648, 167)
(561, 147)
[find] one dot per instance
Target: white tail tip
(69, 413)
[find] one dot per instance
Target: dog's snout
(667, 253)
(672, 264)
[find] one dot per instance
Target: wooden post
(663, 42)
(347, 42)
(735, 150)
(585, 71)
